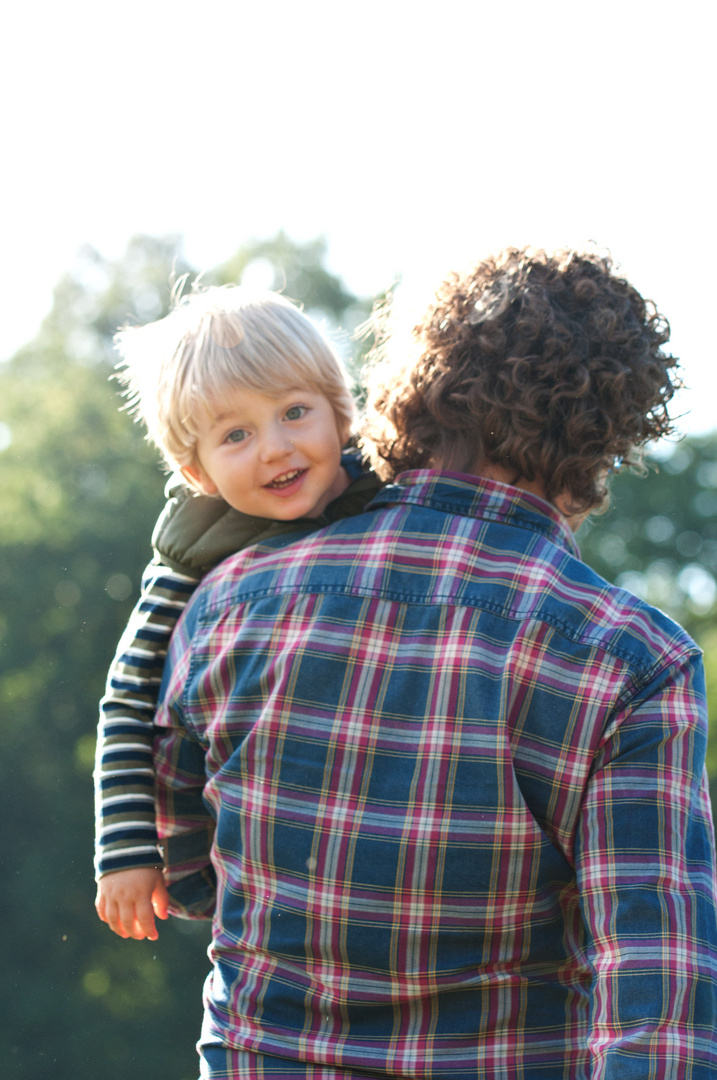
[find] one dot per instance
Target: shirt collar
(475, 496)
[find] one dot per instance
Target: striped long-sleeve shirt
(126, 835)
(462, 823)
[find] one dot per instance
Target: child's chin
(288, 513)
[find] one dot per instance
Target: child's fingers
(126, 902)
(121, 917)
(113, 918)
(100, 905)
(160, 900)
(143, 925)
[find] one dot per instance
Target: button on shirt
(462, 821)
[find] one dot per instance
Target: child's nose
(275, 444)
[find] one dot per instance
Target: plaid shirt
(462, 823)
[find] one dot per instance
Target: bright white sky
(414, 136)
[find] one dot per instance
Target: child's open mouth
(285, 480)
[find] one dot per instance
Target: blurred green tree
(297, 270)
(81, 491)
(659, 537)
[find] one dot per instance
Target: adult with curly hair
(545, 369)
(462, 820)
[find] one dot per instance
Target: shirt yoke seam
(642, 676)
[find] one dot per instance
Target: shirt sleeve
(184, 822)
(646, 880)
(125, 833)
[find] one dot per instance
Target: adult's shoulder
(607, 616)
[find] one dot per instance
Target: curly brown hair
(548, 365)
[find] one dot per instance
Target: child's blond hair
(218, 339)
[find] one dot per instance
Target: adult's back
(444, 736)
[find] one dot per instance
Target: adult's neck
(489, 470)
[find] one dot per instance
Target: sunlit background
(409, 139)
(413, 137)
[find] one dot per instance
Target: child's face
(271, 457)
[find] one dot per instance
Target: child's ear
(198, 479)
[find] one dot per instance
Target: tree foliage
(81, 490)
(659, 537)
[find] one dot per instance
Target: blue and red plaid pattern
(456, 782)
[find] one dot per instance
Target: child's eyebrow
(281, 397)
(220, 419)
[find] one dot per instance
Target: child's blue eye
(295, 412)
(236, 436)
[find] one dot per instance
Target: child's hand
(128, 901)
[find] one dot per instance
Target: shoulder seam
(675, 653)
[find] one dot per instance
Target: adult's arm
(646, 876)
